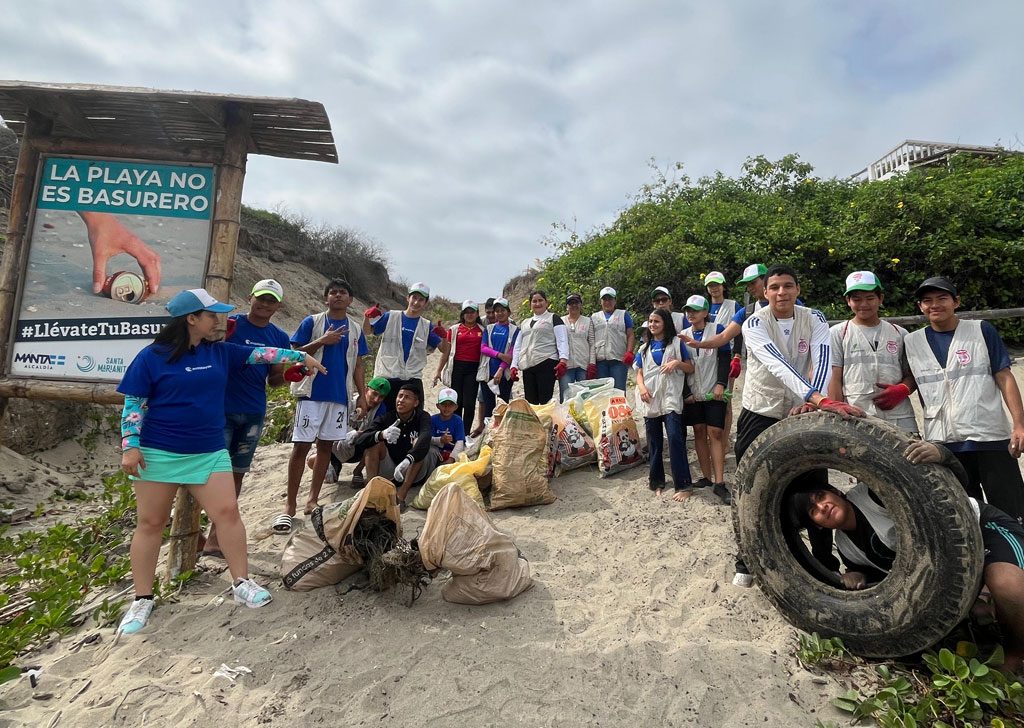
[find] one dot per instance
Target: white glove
(350, 437)
(392, 433)
(402, 468)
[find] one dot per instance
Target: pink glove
(560, 369)
(628, 358)
(230, 327)
(891, 395)
(372, 312)
(735, 367)
(840, 408)
(295, 372)
(440, 330)
(513, 374)
(592, 371)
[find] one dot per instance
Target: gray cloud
(466, 129)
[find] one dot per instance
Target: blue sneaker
(136, 616)
(251, 594)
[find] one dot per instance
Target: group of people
(178, 429)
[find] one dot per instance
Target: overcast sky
(466, 129)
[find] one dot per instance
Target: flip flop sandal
(212, 554)
(282, 524)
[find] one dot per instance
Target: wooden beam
(16, 247)
(49, 145)
(227, 213)
(93, 392)
(61, 109)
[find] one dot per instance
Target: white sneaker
(744, 580)
(136, 616)
(251, 594)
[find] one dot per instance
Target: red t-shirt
(467, 348)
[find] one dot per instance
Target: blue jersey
(658, 353)
(452, 426)
(499, 335)
(247, 390)
(186, 398)
(333, 386)
(409, 325)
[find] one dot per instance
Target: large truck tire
(937, 572)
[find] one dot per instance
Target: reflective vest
(864, 367)
(509, 343)
(537, 341)
(705, 367)
(666, 390)
(725, 312)
(581, 351)
(481, 370)
(391, 361)
(763, 393)
(304, 387)
(609, 335)
(961, 400)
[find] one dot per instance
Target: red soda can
(125, 286)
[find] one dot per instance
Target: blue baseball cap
(193, 300)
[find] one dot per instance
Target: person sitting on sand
(344, 450)
(449, 431)
(866, 539)
(398, 443)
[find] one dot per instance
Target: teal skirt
(186, 469)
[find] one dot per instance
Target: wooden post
(227, 214)
(16, 247)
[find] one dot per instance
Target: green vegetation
(949, 689)
(965, 221)
(60, 568)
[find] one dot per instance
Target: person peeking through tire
(865, 536)
(788, 369)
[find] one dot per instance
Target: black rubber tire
(937, 571)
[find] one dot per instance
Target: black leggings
(996, 471)
(465, 384)
(539, 382)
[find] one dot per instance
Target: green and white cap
(714, 276)
(697, 302)
(752, 271)
(421, 288)
(607, 291)
(447, 395)
(862, 280)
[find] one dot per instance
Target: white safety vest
(391, 361)
(537, 340)
(705, 367)
(481, 370)
(763, 393)
(666, 390)
(304, 387)
(864, 367)
(512, 329)
(725, 312)
(609, 335)
(961, 400)
(581, 353)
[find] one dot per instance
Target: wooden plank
(63, 111)
(195, 153)
(227, 212)
(94, 392)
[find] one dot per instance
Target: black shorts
(1003, 537)
(710, 412)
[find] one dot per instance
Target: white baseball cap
(268, 285)
(503, 302)
(448, 395)
(714, 276)
(421, 288)
(697, 302)
(607, 291)
(470, 303)
(660, 289)
(862, 280)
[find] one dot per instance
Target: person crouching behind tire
(865, 536)
(661, 370)
(541, 351)
(398, 443)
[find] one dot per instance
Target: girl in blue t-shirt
(172, 430)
